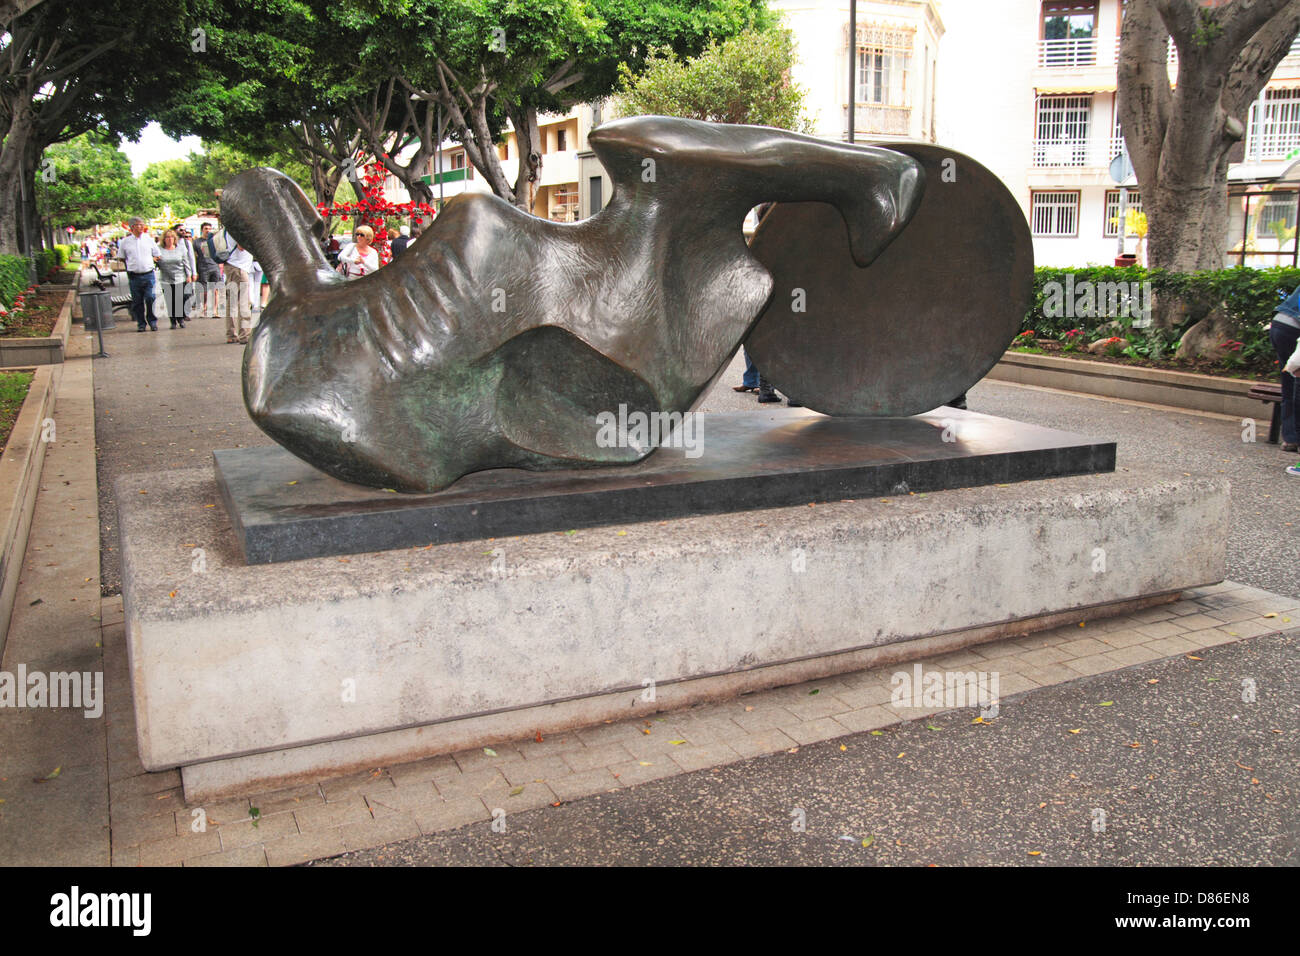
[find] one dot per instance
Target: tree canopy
(743, 79)
(87, 181)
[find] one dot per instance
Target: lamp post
(853, 62)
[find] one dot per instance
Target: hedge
(65, 253)
(1247, 295)
(13, 278)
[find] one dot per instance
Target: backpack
(218, 246)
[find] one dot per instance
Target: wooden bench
(1266, 393)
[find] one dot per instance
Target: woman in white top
(359, 258)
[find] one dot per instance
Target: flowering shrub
(1072, 340)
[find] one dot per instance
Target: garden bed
(27, 404)
(1198, 366)
(1130, 381)
(13, 392)
(39, 333)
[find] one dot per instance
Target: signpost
(1120, 172)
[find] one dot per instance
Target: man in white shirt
(141, 254)
(238, 304)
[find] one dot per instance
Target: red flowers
(1232, 345)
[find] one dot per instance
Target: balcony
(1054, 54)
(1075, 153)
(1095, 54)
(874, 119)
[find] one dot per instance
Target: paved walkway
(166, 399)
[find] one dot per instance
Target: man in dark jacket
(209, 274)
(401, 242)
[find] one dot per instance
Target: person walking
(141, 255)
(208, 272)
(174, 267)
(192, 263)
(239, 313)
(1284, 333)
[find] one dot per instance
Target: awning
(1283, 171)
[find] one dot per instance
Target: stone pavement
(166, 399)
(53, 761)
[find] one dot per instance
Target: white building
(897, 61)
(1028, 88)
(572, 184)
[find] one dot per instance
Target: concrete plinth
(254, 676)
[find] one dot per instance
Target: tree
(188, 184)
(90, 183)
(275, 82)
(487, 61)
(744, 79)
(59, 78)
(1179, 139)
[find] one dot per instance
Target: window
(1277, 133)
(457, 160)
(1110, 223)
(596, 192)
(884, 60)
(1055, 214)
(504, 150)
(561, 140)
(1276, 212)
(1062, 131)
(1069, 33)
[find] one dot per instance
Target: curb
(44, 350)
(20, 473)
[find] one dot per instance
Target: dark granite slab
(282, 509)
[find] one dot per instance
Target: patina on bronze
(926, 321)
(498, 338)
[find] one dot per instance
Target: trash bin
(97, 310)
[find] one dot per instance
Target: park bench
(1266, 393)
(102, 277)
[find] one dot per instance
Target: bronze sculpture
(498, 339)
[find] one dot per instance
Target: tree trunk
(528, 138)
(1178, 139)
(12, 153)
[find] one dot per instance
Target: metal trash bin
(97, 310)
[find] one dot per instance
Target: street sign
(1120, 168)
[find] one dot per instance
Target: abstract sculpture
(499, 339)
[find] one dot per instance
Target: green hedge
(13, 278)
(1248, 296)
(65, 253)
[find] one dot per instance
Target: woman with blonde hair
(175, 266)
(359, 257)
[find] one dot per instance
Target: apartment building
(1028, 87)
(895, 77)
(572, 184)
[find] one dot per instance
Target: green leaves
(744, 79)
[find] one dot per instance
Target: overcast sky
(155, 146)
